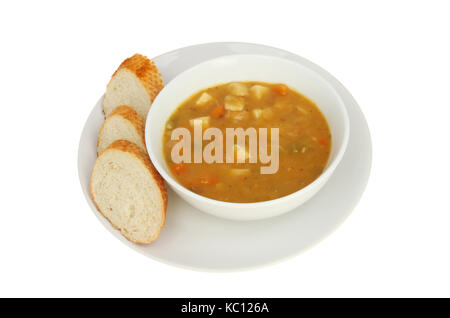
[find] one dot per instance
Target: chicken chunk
(204, 99)
(233, 103)
(238, 89)
(205, 121)
(258, 91)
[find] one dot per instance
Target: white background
(393, 56)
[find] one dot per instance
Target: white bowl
(246, 67)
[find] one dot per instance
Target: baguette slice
(135, 83)
(128, 191)
(123, 123)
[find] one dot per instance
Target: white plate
(195, 240)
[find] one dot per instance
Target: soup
(304, 141)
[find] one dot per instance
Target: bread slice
(123, 123)
(135, 83)
(128, 191)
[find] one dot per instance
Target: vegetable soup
(304, 141)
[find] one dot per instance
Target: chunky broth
(304, 141)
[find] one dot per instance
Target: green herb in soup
(304, 141)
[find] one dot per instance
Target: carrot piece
(208, 180)
(322, 141)
(218, 112)
(179, 168)
(280, 89)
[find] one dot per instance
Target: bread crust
(146, 71)
(132, 148)
(129, 114)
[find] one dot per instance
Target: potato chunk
(205, 121)
(257, 113)
(238, 89)
(233, 103)
(204, 99)
(258, 91)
